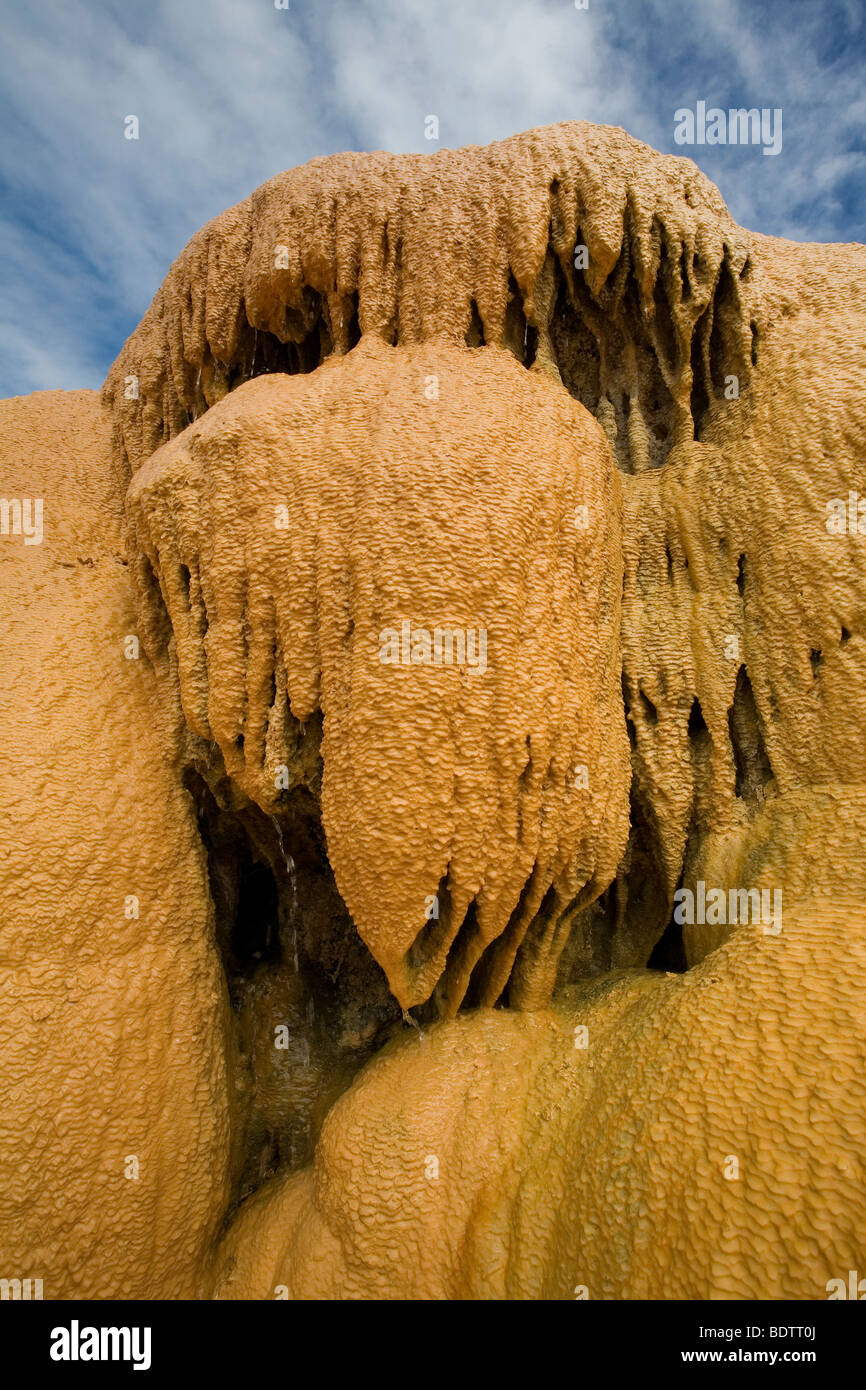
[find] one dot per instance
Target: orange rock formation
(360, 669)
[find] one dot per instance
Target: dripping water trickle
(293, 892)
(407, 1018)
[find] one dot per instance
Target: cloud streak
(229, 92)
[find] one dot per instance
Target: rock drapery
(305, 518)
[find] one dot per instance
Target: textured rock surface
(497, 787)
(112, 1025)
(477, 245)
(706, 1142)
(436, 345)
(743, 616)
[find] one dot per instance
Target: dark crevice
(700, 401)
(537, 933)
(515, 321)
(434, 931)
(627, 923)
(161, 631)
(664, 325)
(464, 943)
(697, 724)
(741, 575)
(669, 952)
(626, 704)
(684, 273)
(651, 714)
(242, 888)
(255, 934)
(467, 939)
(751, 760)
(530, 346)
(354, 324)
(309, 1004)
(475, 331)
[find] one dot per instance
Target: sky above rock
(229, 92)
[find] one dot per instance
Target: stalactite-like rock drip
(470, 806)
(743, 682)
(478, 245)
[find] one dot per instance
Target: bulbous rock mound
(424, 544)
(455, 599)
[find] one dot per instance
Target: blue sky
(229, 92)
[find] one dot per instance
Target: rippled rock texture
(446, 639)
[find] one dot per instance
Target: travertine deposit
(309, 523)
(457, 587)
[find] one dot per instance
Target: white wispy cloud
(229, 92)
